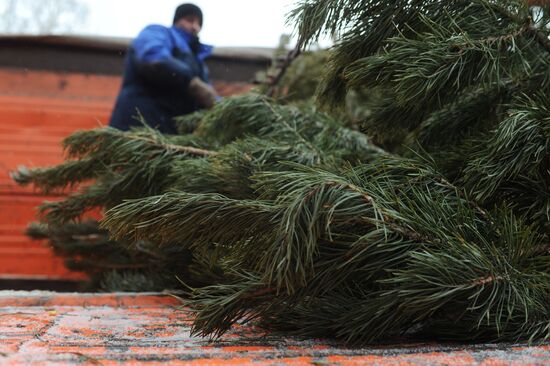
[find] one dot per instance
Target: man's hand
(202, 92)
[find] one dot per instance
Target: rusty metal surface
(40, 328)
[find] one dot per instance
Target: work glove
(203, 93)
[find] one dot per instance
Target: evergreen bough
(281, 215)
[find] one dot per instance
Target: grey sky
(226, 23)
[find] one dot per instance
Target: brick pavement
(42, 328)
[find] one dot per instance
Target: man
(165, 74)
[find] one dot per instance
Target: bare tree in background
(41, 16)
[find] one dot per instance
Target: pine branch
(460, 268)
(188, 150)
(195, 213)
(275, 80)
(515, 149)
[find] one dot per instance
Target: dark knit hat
(187, 9)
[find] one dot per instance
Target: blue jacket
(158, 68)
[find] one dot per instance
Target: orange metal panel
(37, 110)
(35, 265)
(19, 256)
(70, 86)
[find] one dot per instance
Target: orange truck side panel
(37, 110)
